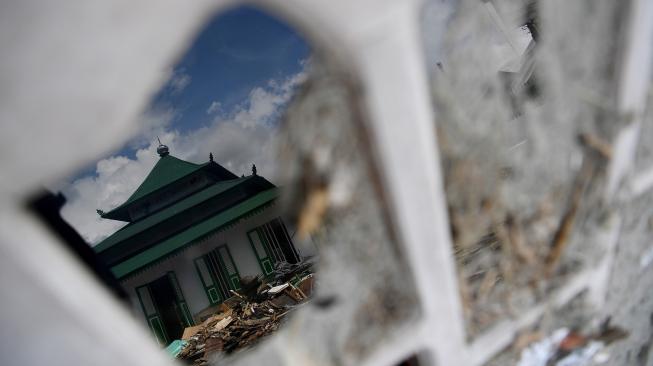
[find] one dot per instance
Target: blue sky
(224, 96)
(238, 51)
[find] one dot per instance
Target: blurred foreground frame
(357, 315)
(65, 315)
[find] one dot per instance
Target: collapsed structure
(253, 313)
(194, 231)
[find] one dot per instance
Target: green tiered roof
(170, 211)
(167, 170)
(192, 217)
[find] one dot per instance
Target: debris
(566, 348)
(256, 321)
(222, 324)
(298, 290)
(250, 286)
(514, 240)
(517, 242)
(294, 293)
(525, 338)
(581, 356)
(572, 341)
(251, 314)
(213, 345)
(596, 143)
(609, 333)
(212, 310)
(191, 331)
(225, 312)
(277, 289)
(175, 347)
(283, 301)
(287, 272)
(489, 280)
(562, 235)
(306, 284)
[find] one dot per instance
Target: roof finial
(162, 150)
(211, 156)
(253, 169)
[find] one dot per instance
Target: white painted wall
(183, 266)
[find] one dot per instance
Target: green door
(229, 267)
(218, 273)
(207, 281)
(182, 306)
(261, 252)
(152, 315)
(174, 307)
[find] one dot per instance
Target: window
(271, 244)
(165, 308)
(218, 274)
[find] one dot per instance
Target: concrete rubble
(252, 313)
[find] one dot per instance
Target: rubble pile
(253, 312)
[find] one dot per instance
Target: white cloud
(179, 81)
(115, 179)
(152, 124)
(215, 107)
(237, 138)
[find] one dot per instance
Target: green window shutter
(260, 251)
(285, 241)
(152, 315)
(269, 242)
(207, 281)
(219, 275)
(157, 329)
(184, 312)
(229, 267)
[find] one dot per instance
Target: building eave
(195, 233)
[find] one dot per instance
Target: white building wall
(183, 265)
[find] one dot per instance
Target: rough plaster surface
(511, 161)
(629, 294)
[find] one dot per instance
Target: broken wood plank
(562, 235)
(191, 331)
(277, 289)
(222, 324)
